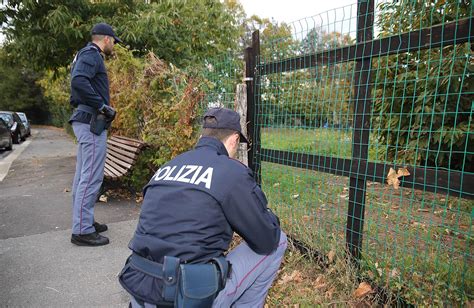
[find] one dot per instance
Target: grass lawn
(416, 244)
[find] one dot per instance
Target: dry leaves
(331, 256)
(363, 289)
(295, 276)
(320, 282)
(103, 198)
(295, 196)
(393, 177)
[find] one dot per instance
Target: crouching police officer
(93, 115)
(192, 206)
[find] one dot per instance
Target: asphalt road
(39, 267)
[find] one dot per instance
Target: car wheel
(10, 145)
(16, 138)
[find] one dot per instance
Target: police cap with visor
(105, 29)
(224, 119)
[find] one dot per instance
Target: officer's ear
(236, 137)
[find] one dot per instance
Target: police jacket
(191, 208)
(89, 82)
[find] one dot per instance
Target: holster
(99, 122)
(186, 285)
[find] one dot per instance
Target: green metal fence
(361, 121)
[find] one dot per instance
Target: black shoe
(99, 228)
(91, 239)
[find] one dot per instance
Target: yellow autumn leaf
(363, 289)
(392, 178)
(402, 172)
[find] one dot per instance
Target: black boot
(91, 239)
(99, 228)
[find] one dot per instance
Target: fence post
(252, 78)
(360, 139)
(241, 108)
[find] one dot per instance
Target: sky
(291, 10)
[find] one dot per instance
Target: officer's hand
(109, 112)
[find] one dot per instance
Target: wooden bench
(122, 154)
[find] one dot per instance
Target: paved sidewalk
(39, 267)
(46, 270)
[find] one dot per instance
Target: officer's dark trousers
(89, 175)
(251, 278)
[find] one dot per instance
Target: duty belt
(87, 109)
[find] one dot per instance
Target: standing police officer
(90, 95)
(191, 208)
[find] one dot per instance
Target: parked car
(6, 140)
(25, 121)
(16, 126)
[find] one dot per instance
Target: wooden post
(360, 139)
(241, 108)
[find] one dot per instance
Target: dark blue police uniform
(89, 90)
(192, 206)
(89, 82)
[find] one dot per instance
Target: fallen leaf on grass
(394, 273)
(295, 276)
(393, 177)
(423, 210)
(276, 184)
(403, 172)
(295, 196)
(329, 293)
(363, 289)
(418, 224)
(103, 198)
(320, 282)
(306, 218)
(331, 256)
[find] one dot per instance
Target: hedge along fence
(155, 101)
(367, 144)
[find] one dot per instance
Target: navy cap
(105, 29)
(225, 119)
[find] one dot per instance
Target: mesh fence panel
(417, 232)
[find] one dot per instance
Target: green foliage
(47, 34)
(19, 91)
(156, 103)
(424, 99)
(56, 90)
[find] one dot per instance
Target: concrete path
(39, 267)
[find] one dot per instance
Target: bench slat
(113, 166)
(123, 146)
(123, 152)
(128, 141)
(109, 173)
(119, 162)
(126, 158)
